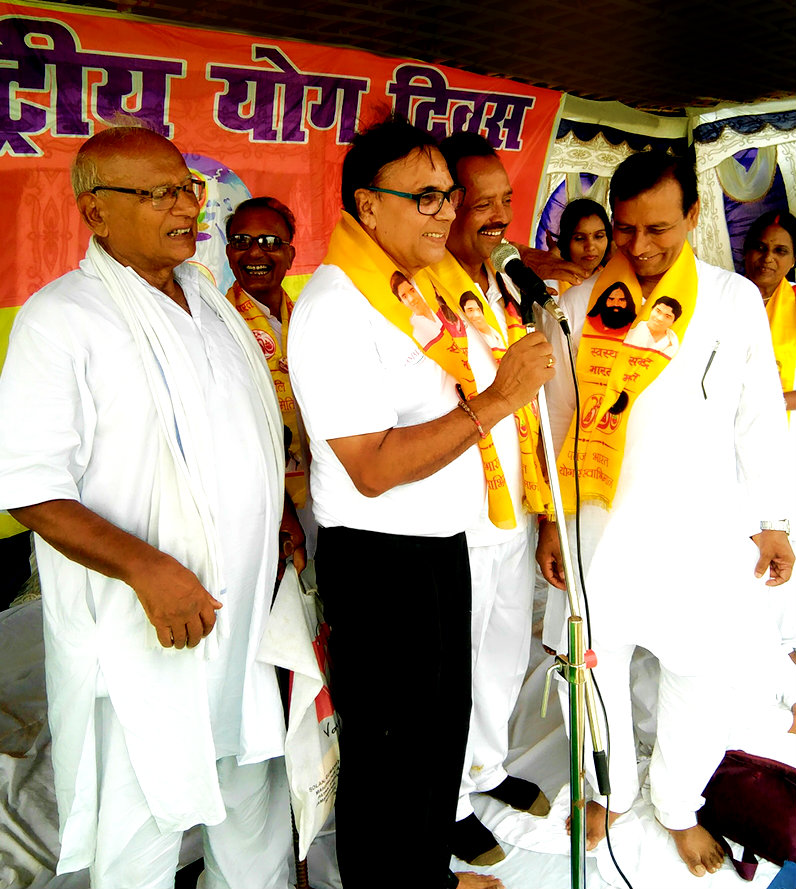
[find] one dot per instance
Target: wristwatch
(779, 525)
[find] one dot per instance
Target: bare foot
(470, 880)
(700, 852)
(595, 824)
(792, 729)
(792, 655)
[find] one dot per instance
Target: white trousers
(693, 722)
(503, 580)
(250, 849)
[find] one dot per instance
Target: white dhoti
(249, 849)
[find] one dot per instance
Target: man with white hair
(142, 442)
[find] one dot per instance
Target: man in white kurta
(671, 566)
(141, 440)
(501, 561)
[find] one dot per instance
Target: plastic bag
(296, 638)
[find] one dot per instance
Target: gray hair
(85, 171)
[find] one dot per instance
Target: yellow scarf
(296, 482)
(608, 366)
(448, 278)
(781, 311)
(442, 337)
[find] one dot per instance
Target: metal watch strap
(779, 525)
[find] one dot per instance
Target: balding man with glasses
(402, 460)
(142, 442)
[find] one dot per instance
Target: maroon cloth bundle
(752, 801)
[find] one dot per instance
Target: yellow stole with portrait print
(450, 278)
(296, 476)
(371, 270)
(612, 374)
(781, 311)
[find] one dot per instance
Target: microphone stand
(575, 668)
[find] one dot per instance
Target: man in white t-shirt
(501, 561)
(396, 480)
(142, 442)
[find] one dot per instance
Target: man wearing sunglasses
(260, 252)
(142, 442)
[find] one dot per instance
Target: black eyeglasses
(269, 243)
(163, 197)
(430, 201)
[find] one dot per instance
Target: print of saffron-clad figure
(613, 313)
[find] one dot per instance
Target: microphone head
(503, 254)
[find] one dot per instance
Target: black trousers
(15, 559)
(399, 611)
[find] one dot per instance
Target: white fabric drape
(748, 185)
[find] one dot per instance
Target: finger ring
(550, 361)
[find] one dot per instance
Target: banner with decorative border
(252, 116)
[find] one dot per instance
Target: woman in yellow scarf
(768, 253)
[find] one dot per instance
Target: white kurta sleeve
(47, 415)
(761, 430)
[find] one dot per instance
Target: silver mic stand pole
(575, 668)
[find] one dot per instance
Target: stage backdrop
(252, 116)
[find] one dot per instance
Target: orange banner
(253, 116)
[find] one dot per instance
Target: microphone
(506, 258)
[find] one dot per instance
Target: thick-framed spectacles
(163, 197)
(430, 201)
(268, 243)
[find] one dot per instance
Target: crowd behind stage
(173, 449)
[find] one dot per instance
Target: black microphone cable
(581, 576)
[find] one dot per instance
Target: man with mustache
(501, 561)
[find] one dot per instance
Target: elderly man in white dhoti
(142, 442)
